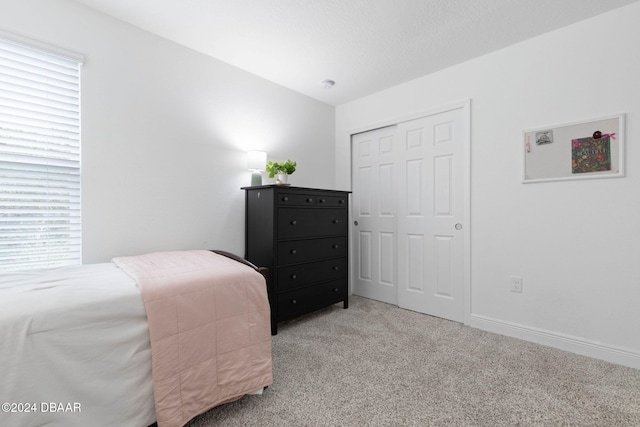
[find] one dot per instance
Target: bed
(76, 343)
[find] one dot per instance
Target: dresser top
(291, 187)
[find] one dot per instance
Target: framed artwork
(581, 150)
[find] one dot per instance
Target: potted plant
(281, 169)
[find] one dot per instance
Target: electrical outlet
(515, 284)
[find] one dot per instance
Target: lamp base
(256, 178)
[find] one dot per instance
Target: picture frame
(589, 149)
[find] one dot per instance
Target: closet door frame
(466, 222)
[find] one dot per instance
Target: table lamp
(256, 162)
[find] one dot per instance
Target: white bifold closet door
(409, 231)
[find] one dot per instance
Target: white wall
(165, 132)
(576, 243)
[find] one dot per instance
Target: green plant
(274, 168)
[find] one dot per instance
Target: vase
(282, 178)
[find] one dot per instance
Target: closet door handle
(294, 222)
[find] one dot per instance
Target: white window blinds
(40, 224)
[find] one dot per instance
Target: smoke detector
(327, 84)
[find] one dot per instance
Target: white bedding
(62, 344)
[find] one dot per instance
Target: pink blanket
(209, 329)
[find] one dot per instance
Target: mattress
(64, 335)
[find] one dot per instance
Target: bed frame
(262, 270)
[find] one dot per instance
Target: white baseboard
(570, 343)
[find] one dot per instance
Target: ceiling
(363, 45)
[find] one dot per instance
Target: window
(40, 222)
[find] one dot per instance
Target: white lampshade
(256, 160)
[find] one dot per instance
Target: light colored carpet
(377, 365)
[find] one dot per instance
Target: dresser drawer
(311, 298)
(330, 201)
(300, 275)
(296, 251)
(294, 223)
(292, 199)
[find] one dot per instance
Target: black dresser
(300, 235)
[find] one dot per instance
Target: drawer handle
(335, 221)
(294, 222)
(335, 289)
(336, 268)
(293, 251)
(341, 201)
(335, 246)
(294, 301)
(322, 200)
(309, 200)
(294, 277)
(285, 199)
